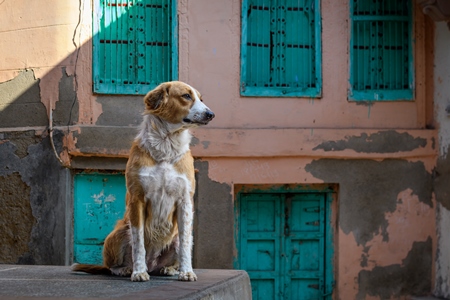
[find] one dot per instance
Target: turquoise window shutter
(381, 62)
(281, 48)
(134, 45)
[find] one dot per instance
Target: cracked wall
(33, 186)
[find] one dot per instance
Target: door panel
(281, 243)
(260, 216)
(99, 201)
(304, 289)
(305, 255)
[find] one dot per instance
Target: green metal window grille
(381, 63)
(281, 48)
(134, 45)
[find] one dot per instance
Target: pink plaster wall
(251, 140)
(214, 66)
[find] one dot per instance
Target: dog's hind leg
(117, 250)
(168, 261)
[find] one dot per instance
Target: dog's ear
(157, 96)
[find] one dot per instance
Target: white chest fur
(164, 187)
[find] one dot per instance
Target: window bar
(296, 29)
(248, 49)
(167, 39)
(279, 43)
(311, 42)
(354, 55)
(259, 52)
(108, 39)
(146, 53)
(102, 29)
(115, 46)
(391, 59)
(115, 24)
(167, 57)
(166, 24)
(161, 35)
(151, 48)
(378, 79)
(306, 40)
(401, 38)
(157, 51)
(157, 37)
(362, 25)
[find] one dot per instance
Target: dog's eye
(187, 96)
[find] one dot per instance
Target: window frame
(381, 95)
(137, 88)
(302, 92)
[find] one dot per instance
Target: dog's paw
(169, 271)
(140, 276)
(187, 276)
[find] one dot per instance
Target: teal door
(99, 201)
(284, 243)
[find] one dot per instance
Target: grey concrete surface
(58, 282)
(427, 298)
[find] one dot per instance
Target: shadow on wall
(35, 190)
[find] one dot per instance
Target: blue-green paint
(381, 56)
(284, 240)
(135, 45)
(281, 48)
(99, 201)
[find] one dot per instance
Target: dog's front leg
(185, 217)
(137, 224)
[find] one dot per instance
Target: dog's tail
(91, 269)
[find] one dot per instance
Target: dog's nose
(209, 115)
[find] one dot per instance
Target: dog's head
(178, 103)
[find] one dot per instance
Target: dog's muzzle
(201, 119)
(209, 115)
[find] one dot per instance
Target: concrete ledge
(344, 143)
(56, 282)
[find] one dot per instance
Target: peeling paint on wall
(213, 234)
(382, 142)
(120, 110)
(66, 108)
(20, 104)
(411, 277)
(369, 189)
(30, 172)
(382, 209)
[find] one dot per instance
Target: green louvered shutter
(381, 64)
(134, 45)
(280, 48)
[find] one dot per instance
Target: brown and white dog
(155, 236)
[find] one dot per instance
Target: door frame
(329, 190)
